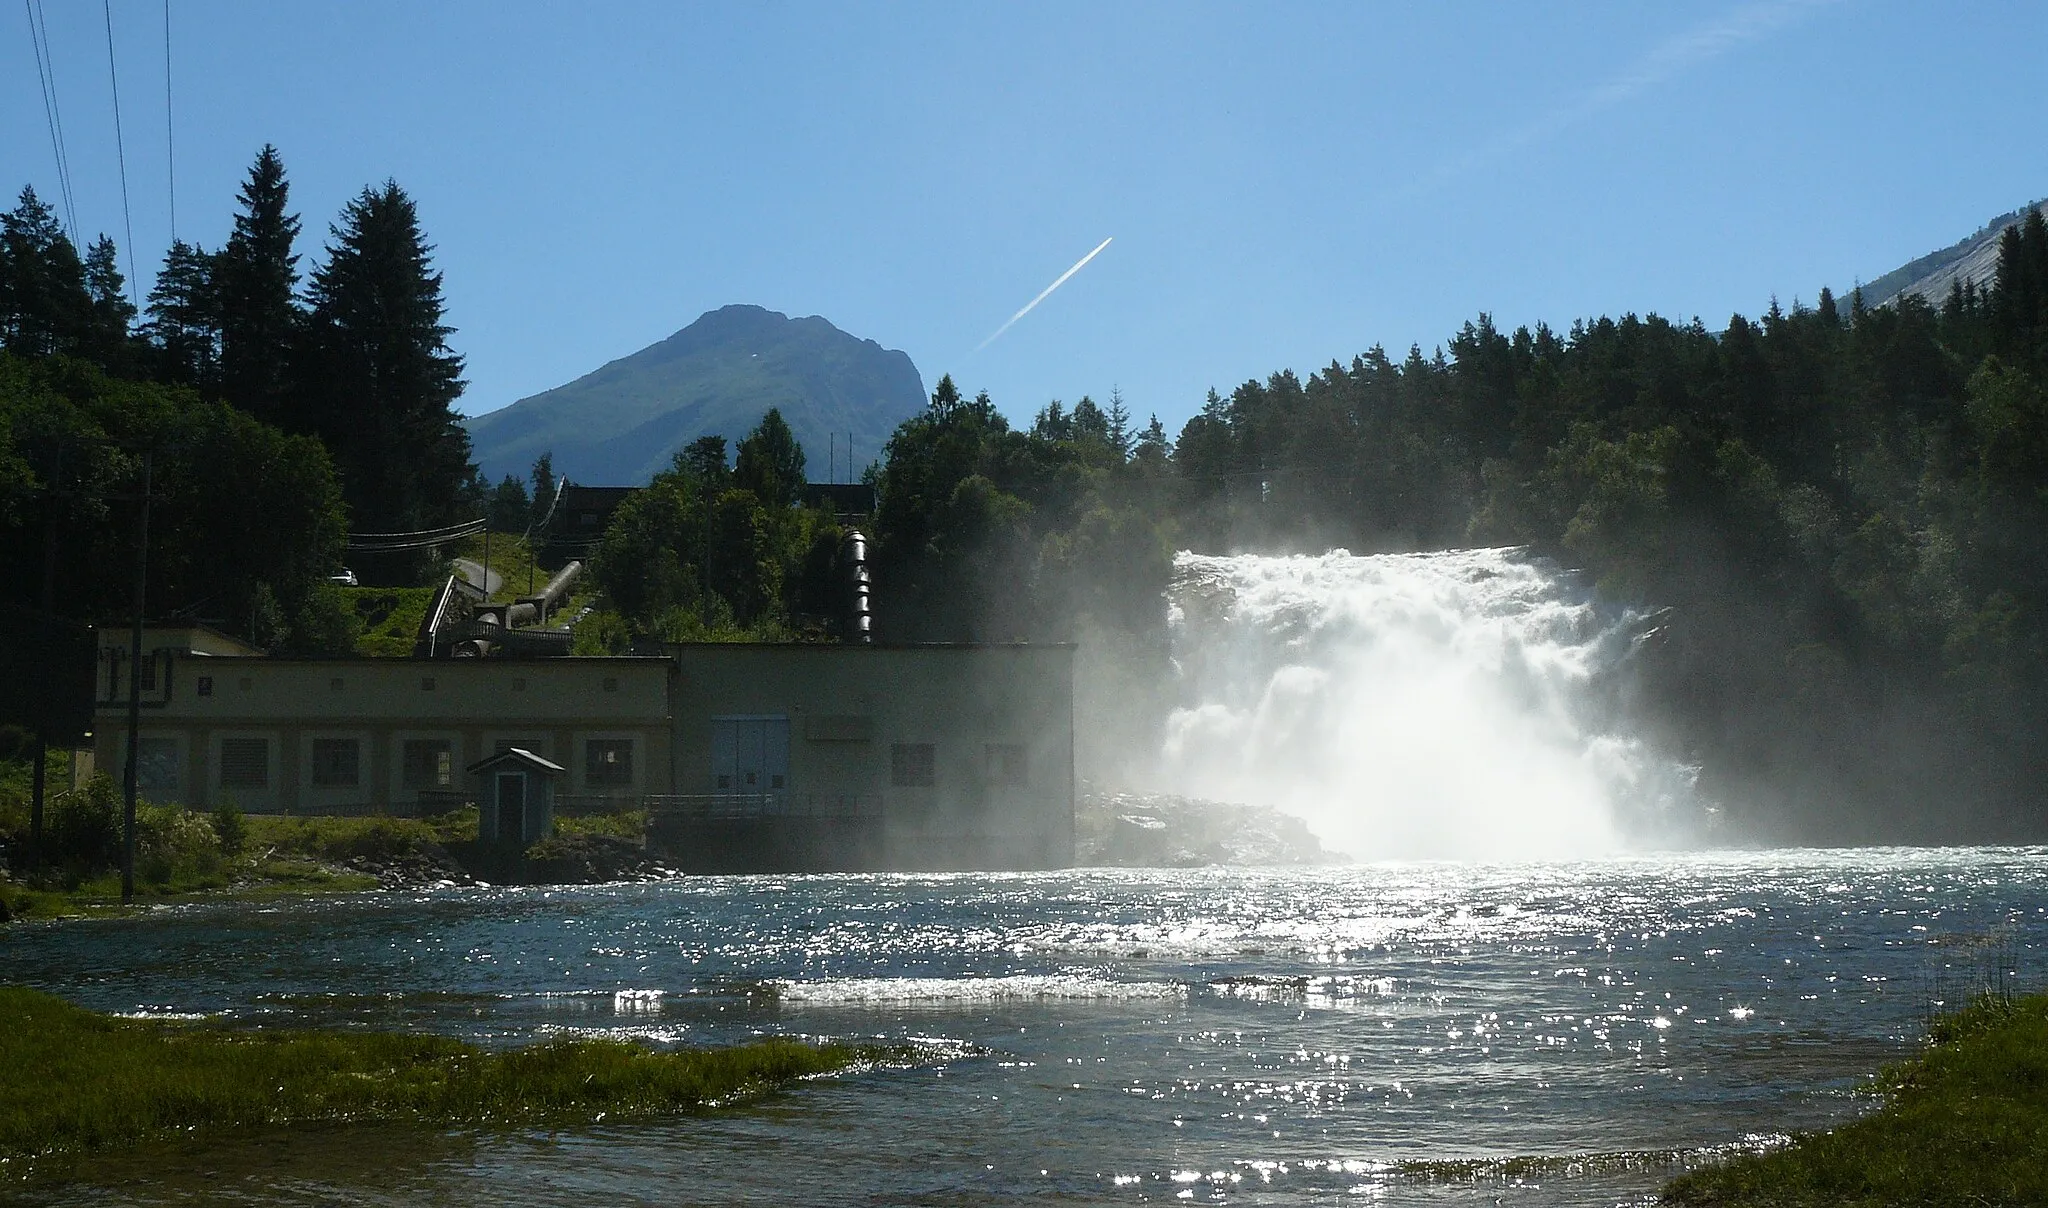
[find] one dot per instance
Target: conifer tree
(771, 463)
(543, 487)
(254, 275)
(108, 337)
(184, 319)
(379, 371)
(44, 307)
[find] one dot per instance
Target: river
(1204, 1035)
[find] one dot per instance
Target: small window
(608, 762)
(426, 763)
(519, 684)
(247, 684)
(334, 684)
(245, 763)
(1006, 763)
(611, 683)
(337, 763)
(148, 666)
(206, 685)
(912, 764)
(426, 683)
(156, 768)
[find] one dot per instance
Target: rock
(1159, 830)
(589, 860)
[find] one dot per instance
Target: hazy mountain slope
(621, 423)
(1973, 259)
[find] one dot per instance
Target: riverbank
(183, 856)
(1966, 1123)
(78, 1082)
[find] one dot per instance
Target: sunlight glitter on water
(1434, 1033)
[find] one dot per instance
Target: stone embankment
(1160, 830)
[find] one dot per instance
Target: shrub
(230, 830)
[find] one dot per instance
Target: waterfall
(1438, 705)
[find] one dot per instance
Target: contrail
(1043, 294)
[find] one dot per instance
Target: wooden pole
(129, 777)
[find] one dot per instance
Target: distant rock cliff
(1974, 259)
(620, 424)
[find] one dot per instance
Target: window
(206, 685)
(245, 763)
(1006, 763)
(425, 763)
(611, 683)
(337, 763)
(608, 762)
(334, 684)
(156, 768)
(911, 764)
(426, 683)
(148, 666)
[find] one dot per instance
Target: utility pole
(128, 780)
(39, 781)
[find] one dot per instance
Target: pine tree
(543, 476)
(184, 319)
(771, 463)
(44, 307)
(255, 274)
(379, 371)
(1120, 435)
(109, 336)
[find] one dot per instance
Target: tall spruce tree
(254, 276)
(44, 307)
(109, 335)
(184, 319)
(771, 462)
(379, 372)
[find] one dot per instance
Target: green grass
(341, 839)
(391, 618)
(1964, 1124)
(78, 1082)
(625, 824)
(181, 855)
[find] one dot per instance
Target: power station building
(746, 757)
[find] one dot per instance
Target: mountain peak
(623, 422)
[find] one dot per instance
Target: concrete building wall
(279, 735)
(952, 756)
(770, 756)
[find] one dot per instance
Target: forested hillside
(1844, 508)
(277, 413)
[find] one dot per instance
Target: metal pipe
(860, 616)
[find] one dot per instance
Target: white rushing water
(1439, 705)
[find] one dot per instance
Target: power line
(121, 157)
(46, 74)
(170, 129)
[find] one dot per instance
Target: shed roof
(521, 756)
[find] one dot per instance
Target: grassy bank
(1964, 1124)
(79, 1082)
(181, 854)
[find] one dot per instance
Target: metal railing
(740, 807)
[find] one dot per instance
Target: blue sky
(1286, 184)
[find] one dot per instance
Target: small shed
(515, 797)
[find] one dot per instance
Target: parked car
(347, 578)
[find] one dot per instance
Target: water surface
(1202, 1035)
